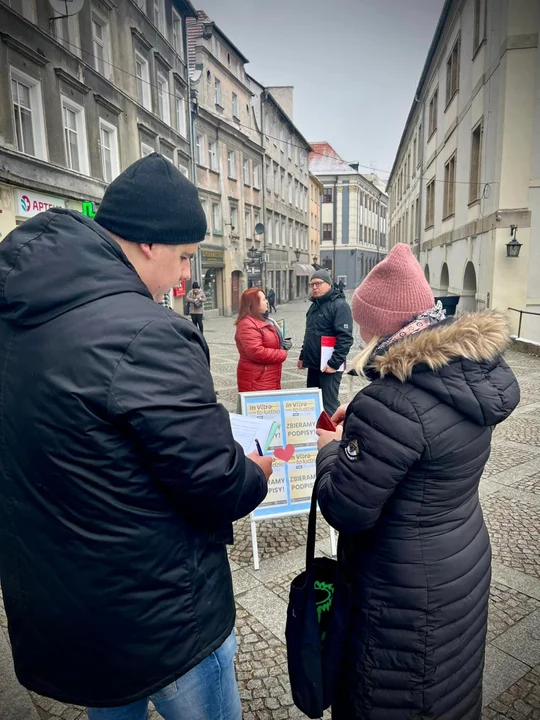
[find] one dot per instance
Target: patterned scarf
(421, 322)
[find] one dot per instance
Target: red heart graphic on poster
(285, 453)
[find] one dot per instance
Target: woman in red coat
(260, 344)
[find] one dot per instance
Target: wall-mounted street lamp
(252, 252)
(297, 254)
(513, 247)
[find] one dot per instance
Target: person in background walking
(119, 474)
(272, 300)
(196, 299)
(328, 316)
(401, 487)
(262, 348)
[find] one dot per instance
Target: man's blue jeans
(207, 692)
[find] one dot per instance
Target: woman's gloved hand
(287, 344)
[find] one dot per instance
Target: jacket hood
(459, 361)
(57, 261)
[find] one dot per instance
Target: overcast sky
(354, 64)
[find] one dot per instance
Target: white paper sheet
(246, 430)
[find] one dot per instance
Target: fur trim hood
(460, 363)
(480, 337)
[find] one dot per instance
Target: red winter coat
(261, 356)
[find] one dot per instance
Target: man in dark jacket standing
(328, 316)
(119, 476)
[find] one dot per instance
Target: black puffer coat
(328, 315)
(119, 477)
(402, 487)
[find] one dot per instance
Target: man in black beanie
(329, 317)
(119, 475)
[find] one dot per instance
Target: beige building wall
(229, 160)
(463, 240)
(315, 200)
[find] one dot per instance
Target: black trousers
(272, 306)
(197, 320)
(329, 384)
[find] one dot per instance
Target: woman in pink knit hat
(401, 486)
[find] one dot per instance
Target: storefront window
(210, 290)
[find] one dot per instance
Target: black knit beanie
(322, 274)
(152, 202)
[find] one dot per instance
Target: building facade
(353, 216)
(466, 177)
(315, 199)
(83, 97)
(229, 165)
(285, 242)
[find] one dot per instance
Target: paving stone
(520, 702)
(504, 456)
(506, 608)
(515, 537)
(274, 537)
(522, 641)
(501, 671)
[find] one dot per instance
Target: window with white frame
(180, 112)
(101, 45)
(183, 169)
(246, 171)
(159, 15)
(247, 215)
(235, 106)
(200, 147)
(290, 190)
(177, 33)
(256, 217)
(296, 193)
(142, 73)
(283, 188)
(213, 156)
(289, 146)
(164, 104)
(231, 164)
(284, 232)
(277, 229)
(216, 219)
(256, 176)
(218, 91)
(75, 142)
(268, 170)
(108, 139)
(276, 181)
(269, 228)
(146, 149)
(28, 114)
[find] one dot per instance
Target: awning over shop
(300, 269)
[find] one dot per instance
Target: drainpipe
(378, 228)
(263, 186)
(197, 263)
(334, 231)
(421, 182)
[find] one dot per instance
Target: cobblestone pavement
(510, 492)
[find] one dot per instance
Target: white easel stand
(254, 545)
(333, 544)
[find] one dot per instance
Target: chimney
(284, 96)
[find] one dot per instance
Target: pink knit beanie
(393, 293)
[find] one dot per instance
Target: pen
(258, 446)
